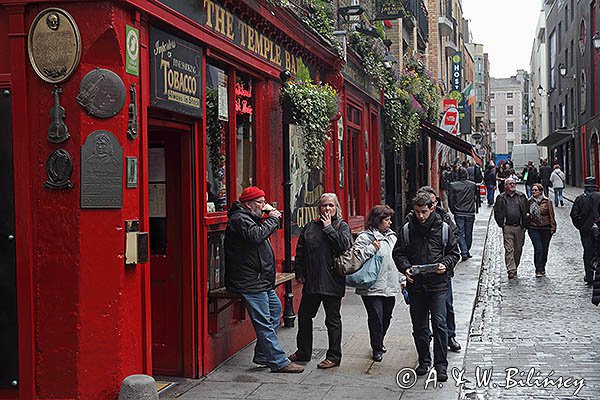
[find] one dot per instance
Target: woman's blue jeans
(540, 238)
(490, 195)
(264, 309)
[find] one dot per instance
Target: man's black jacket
(585, 210)
(462, 197)
(425, 247)
(545, 172)
(500, 209)
(249, 257)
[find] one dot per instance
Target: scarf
(535, 208)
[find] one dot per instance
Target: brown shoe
(326, 364)
(512, 274)
(291, 368)
(294, 357)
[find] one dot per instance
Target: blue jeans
(540, 238)
(490, 195)
(465, 232)
(264, 309)
(558, 196)
(528, 190)
(450, 320)
(422, 304)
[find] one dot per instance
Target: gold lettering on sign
(219, 19)
(179, 86)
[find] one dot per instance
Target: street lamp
(288, 308)
(596, 40)
(540, 90)
(562, 69)
(350, 11)
(532, 103)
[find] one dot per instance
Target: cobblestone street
(542, 326)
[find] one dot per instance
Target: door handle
(11, 237)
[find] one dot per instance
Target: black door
(9, 355)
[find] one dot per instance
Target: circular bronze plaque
(101, 93)
(54, 45)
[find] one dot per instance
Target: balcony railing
(419, 11)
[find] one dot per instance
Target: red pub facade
(171, 108)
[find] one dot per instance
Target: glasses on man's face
(261, 202)
(510, 183)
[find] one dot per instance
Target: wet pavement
(545, 327)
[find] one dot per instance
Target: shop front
(135, 135)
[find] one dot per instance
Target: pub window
(245, 136)
(354, 116)
(217, 128)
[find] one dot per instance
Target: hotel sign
(389, 9)
(175, 73)
(213, 16)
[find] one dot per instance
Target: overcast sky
(506, 28)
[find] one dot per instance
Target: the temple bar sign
(212, 15)
(389, 9)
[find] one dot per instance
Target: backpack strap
(445, 229)
(406, 235)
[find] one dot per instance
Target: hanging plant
(311, 106)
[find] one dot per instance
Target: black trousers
(309, 305)
(379, 314)
(422, 304)
(587, 241)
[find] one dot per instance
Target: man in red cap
(250, 271)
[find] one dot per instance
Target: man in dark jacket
(462, 198)
(250, 271)
(584, 214)
(511, 213)
(427, 290)
(453, 345)
(530, 176)
(545, 172)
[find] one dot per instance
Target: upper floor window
(510, 126)
(493, 112)
(492, 96)
(509, 95)
(510, 110)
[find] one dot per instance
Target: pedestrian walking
(511, 213)
(453, 344)
(583, 215)
(501, 174)
(250, 271)
(428, 245)
(530, 176)
(557, 181)
(542, 225)
(545, 172)
(379, 299)
(319, 242)
(462, 199)
(490, 182)
(445, 181)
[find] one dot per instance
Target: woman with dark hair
(379, 299)
(542, 225)
(319, 242)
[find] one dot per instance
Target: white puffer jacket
(389, 279)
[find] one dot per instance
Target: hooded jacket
(425, 247)
(249, 257)
(388, 279)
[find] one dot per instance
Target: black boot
(453, 345)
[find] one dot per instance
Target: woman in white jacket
(557, 178)
(379, 299)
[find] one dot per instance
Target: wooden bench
(222, 293)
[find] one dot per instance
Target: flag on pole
(469, 94)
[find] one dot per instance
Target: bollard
(138, 387)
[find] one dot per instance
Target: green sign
(132, 53)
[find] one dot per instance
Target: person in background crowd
(511, 213)
(501, 175)
(455, 169)
(250, 271)
(542, 225)
(511, 174)
(462, 198)
(319, 242)
(595, 267)
(379, 299)
(427, 290)
(453, 345)
(530, 176)
(509, 163)
(490, 182)
(557, 179)
(445, 181)
(583, 215)
(545, 172)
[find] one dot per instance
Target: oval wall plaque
(101, 93)
(54, 45)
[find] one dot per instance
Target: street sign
(476, 136)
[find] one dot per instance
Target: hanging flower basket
(312, 107)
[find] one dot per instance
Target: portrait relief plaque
(101, 171)
(101, 93)
(54, 45)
